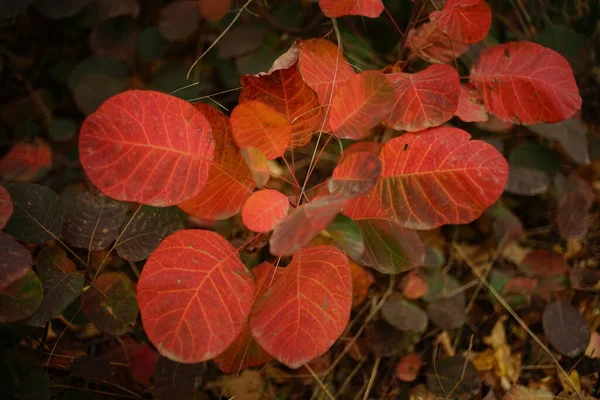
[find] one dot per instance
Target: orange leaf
(470, 105)
(439, 166)
(307, 309)
(26, 162)
(229, 180)
(361, 282)
(257, 162)
(194, 295)
(288, 94)
(408, 367)
(434, 46)
(360, 104)
(425, 99)
(259, 125)
(323, 67)
(265, 209)
(304, 223)
(340, 8)
(526, 83)
(466, 21)
(357, 173)
(214, 10)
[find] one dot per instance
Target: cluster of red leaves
(197, 299)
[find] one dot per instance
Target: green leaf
(37, 215)
(348, 235)
(21, 299)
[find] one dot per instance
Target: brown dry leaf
(593, 349)
(519, 392)
(575, 382)
(249, 385)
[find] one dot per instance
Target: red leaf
(466, 21)
(259, 125)
(357, 173)
(361, 147)
(229, 182)
(245, 352)
(288, 94)
(438, 177)
(304, 223)
(525, 83)
(6, 207)
(470, 105)
(142, 364)
(26, 162)
(340, 8)
(430, 44)
(413, 286)
(361, 282)
(257, 162)
(359, 104)
(307, 309)
(265, 209)
(147, 147)
(407, 369)
(214, 10)
(542, 262)
(323, 67)
(425, 99)
(194, 295)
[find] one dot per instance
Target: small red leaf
(357, 173)
(543, 263)
(259, 125)
(432, 45)
(142, 364)
(214, 10)
(147, 147)
(26, 162)
(323, 67)
(340, 8)
(361, 282)
(439, 166)
(413, 286)
(525, 83)
(307, 309)
(194, 295)
(6, 207)
(265, 209)
(407, 369)
(245, 352)
(466, 21)
(359, 104)
(470, 105)
(229, 180)
(257, 162)
(425, 99)
(286, 91)
(304, 223)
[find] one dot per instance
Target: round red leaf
(264, 209)
(467, 21)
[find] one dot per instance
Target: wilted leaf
(229, 181)
(470, 105)
(147, 147)
(453, 377)
(214, 10)
(359, 104)
(525, 83)
(518, 392)
(572, 218)
(151, 45)
(323, 67)
(347, 234)
(115, 37)
(26, 162)
(239, 41)
(108, 9)
(340, 8)
(245, 352)
(176, 381)
(357, 173)
(147, 228)
(466, 21)
(424, 99)
(448, 312)
(37, 215)
(6, 207)
(565, 328)
(178, 20)
(408, 367)
(307, 309)
(383, 339)
(432, 45)
(110, 303)
(259, 125)
(61, 282)
(404, 316)
(10, 9)
(97, 65)
(264, 210)
(91, 221)
(20, 299)
(304, 223)
(59, 9)
(389, 248)
(530, 168)
(570, 134)
(91, 369)
(15, 261)
(62, 129)
(467, 176)
(194, 295)
(542, 262)
(257, 162)
(506, 225)
(287, 93)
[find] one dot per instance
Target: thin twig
(319, 382)
(372, 378)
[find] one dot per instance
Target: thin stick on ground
(372, 378)
(319, 382)
(518, 319)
